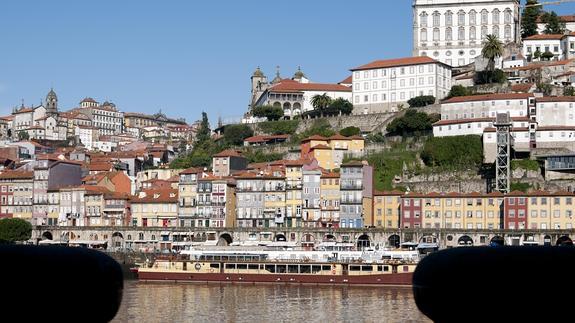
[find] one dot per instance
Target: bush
(376, 137)
(280, 127)
(269, 112)
(457, 152)
(259, 156)
(236, 133)
(12, 230)
(527, 164)
(459, 90)
(350, 131)
(336, 107)
(547, 56)
(421, 101)
(487, 77)
(522, 187)
(413, 122)
(320, 127)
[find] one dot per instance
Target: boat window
(315, 269)
(354, 268)
(253, 266)
(405, 268)
(217, 266)
(242, 266)
(385, 268)
(366, 268)
(271, 268)
(326, 267)
(281, 269)
(230, 266)
(292, 269)
(305, 269)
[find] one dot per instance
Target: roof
(329, 175)
(16, 174)
(538, 65)
(396, 62)
(256, 139)
(320, 146)
(157, 196)
(514, 129)
(469, 120)
(556, 99)
(338, 137)
(228, 153)
(315, 137)
(523, 87)
(385, 193)
(193, 170)
(100, 166)
(294, 86)
(353, 163)
(88, 100)
(348, 80)
(566, 18)
(545, 37)
(556, 128)
(489, 97)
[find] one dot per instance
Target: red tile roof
(338, 137)
(257, 139)
(315, 137)
(100, 166)
(469, 120)
(489, 97)
(556, 128)
(544, 37)
(329, 175)
(293, 86)
(157, 196)
(193, 170)
(320, 146)
(397, 62)
(524, 87)
(16, 174)
(348, 80)
(228, 153)
(556, 99)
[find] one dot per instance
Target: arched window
(449, 18)
(448, 34)
(507, 32)
(472, 33)
(483, 32)
(495, 31)
(461, 33)
(140, 236)
(461, 18)
(484, 17)
(423, 35)
(423, 19)
(495, 16)
(435, 34)
(472, 17)
(436, 19)
(507, 16)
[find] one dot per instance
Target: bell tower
(51, 103)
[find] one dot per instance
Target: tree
(529, 19)
(204, 129)
(492, 49)
(413, 122)
(421, 101)
(537, 54)
(547, 56)
(454, 152)
(569, 91)
(269, 112)
(553, 24)
(235, 134)
(13, 229)
(487, 77)
(341, 105)
(350, 131)
(23, 135)
(458, 90)
(320, 102)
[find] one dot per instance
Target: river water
(159, 302)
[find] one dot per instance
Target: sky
(185, 57)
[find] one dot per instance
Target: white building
(452, 31)
(87, 136)
(542, 44)
(487, 106)
(569, 21)
(382, 85)
(25, 118)
(555, 111)
(105, 117)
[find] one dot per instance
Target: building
(155, 208)
(188, 196)
(250, 201)
(16, 195)
(311, 196)
(87, 135)
(452, 31)
(105, 117)
(329, 200)
(330, 151)
(292, 95)
(294, 186)
(569, 21)
(385, 85)
(141, 120)
(228, 162)
(356, 183)
(546, 210)
(386, 209)
(543, 44)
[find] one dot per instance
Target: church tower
(259, 85)
(51, 103)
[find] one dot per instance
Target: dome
(278, 78)
(298, 74)
(51, 95)
(258, 73)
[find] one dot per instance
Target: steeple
(51, 103)
(278, 78)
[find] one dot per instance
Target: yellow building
(16, 193)
(386, 209)
(94, 205)
(330, 152)
(155, 208)
(274, 201)
(329, 199)
(188, 195)
(294, 186)
(53, 206)
(324, 156)
(550, 210)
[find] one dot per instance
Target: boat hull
(398, 279)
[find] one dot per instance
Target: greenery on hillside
(487, 77)
(236, 133)
(350, 131)
(518, 186)
(412, 123)
(280, 127)
(553, 24)
(333, 108)
(319, 127)
(459, 90)
(529, 19)
(527, 164)
(269, 112)
(204, 148)
(14, 230)
(421, 101)
(260, 156)
(453, 153)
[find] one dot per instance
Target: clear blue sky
(188, 56)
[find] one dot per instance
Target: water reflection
(265, 303)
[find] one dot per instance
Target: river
(158, 302)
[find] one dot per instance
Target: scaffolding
(503, 159)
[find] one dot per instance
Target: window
(436, 18)
(472, 33)
(495, 16)
(448, 34)
(483, 32)
(461, 33)
(507, 16)
(435, 34)
(423, 35)
(423, 19)
(448, 18)
(472, 17)
(495, 31)
(461, 17)
(484, 17)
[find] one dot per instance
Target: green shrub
(350, 131)
(487, 77)
(421, 101)
(457, 152)
(13, 230)
(527, 164)
(459, 90)
(522, 187)
(280, 127)
(236, 133)
(413, 122)
(269, 112)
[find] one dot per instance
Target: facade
(227, 162)
(386, 209)
(250, 201)
(155, 208)
(329, 200)
(385, 85)
(140, 120)
(330, 151)
(106, 117)
(87, 135)
(294, 187)
(452, 31)
(356, 183)
(188, 196)
(16, 194)
(311, 196)
(542, 44)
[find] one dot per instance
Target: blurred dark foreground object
(60, 284)
(497, 284)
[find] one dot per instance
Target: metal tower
(503, 159)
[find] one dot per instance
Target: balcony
(351, 201)
(294, 186)
(351, 187)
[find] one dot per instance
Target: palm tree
(492, 48)
(320, 102)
